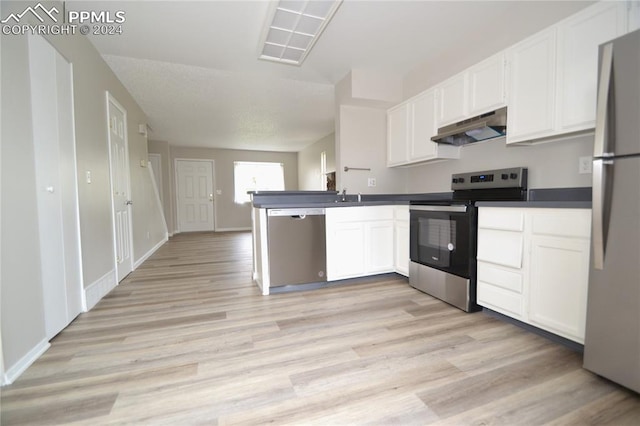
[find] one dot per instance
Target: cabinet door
(452, 100)
(398, 134)
(532, 87)
(578, 41)
(558, 285)
(423, 124)
(486, 85)
(345, 250)
(378, 246)
(401, 247)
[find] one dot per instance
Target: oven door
(443, 237)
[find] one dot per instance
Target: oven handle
(439, 208)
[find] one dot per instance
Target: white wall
(551, 165)
(363, 141)
(309, 163)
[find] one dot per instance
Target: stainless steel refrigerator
(612, 341)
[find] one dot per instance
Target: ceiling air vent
(293, 28)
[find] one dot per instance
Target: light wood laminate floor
(188, 339)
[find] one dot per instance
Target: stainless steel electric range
(444, 234)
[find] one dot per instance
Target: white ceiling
(192, 65)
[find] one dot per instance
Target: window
(252, 176)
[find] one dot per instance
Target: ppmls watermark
(65, 22)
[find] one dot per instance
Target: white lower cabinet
(558, 285)
(345, 250)
(402, 237)
(360, 241)
(538, 272)
(378, 243)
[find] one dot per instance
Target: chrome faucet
(359, 197)
(344, 194)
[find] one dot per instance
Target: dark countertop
(328, 199)
(576, 198)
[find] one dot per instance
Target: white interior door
(195, 195)
(119, 158)
(56, 180)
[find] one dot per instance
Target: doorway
(120, 187)
(194, 195)
(51, 80)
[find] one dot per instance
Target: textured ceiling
(193, 67)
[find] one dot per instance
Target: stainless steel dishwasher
(297, 246)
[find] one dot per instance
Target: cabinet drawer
(500, 300)
(500, 247)
(562, 223)
(500, 218)
(499, 277)
(359, 214)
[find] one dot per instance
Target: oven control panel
(514, 177)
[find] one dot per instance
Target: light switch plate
(585, 165)
(88, 176)
(371, 182)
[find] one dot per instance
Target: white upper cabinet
(410, 127)
(548, 81)
(487, 90)
(532, 87)
(423, 118)
(479, 89)
(553, 74)
(398, 135)
(578, 41)
(453, 100)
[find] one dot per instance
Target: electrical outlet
(585, 165)
(371, 182)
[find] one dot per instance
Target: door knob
(128, 202)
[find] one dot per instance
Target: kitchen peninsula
(365, 237)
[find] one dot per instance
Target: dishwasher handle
(296, 213)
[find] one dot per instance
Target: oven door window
(441, 240)
(437, 238)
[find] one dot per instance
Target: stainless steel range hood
(486, 126)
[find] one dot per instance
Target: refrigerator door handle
(602, 108)
(598, 211)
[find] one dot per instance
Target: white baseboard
(150, 252)
(23, 363)
(100, 288)
(233, 229)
